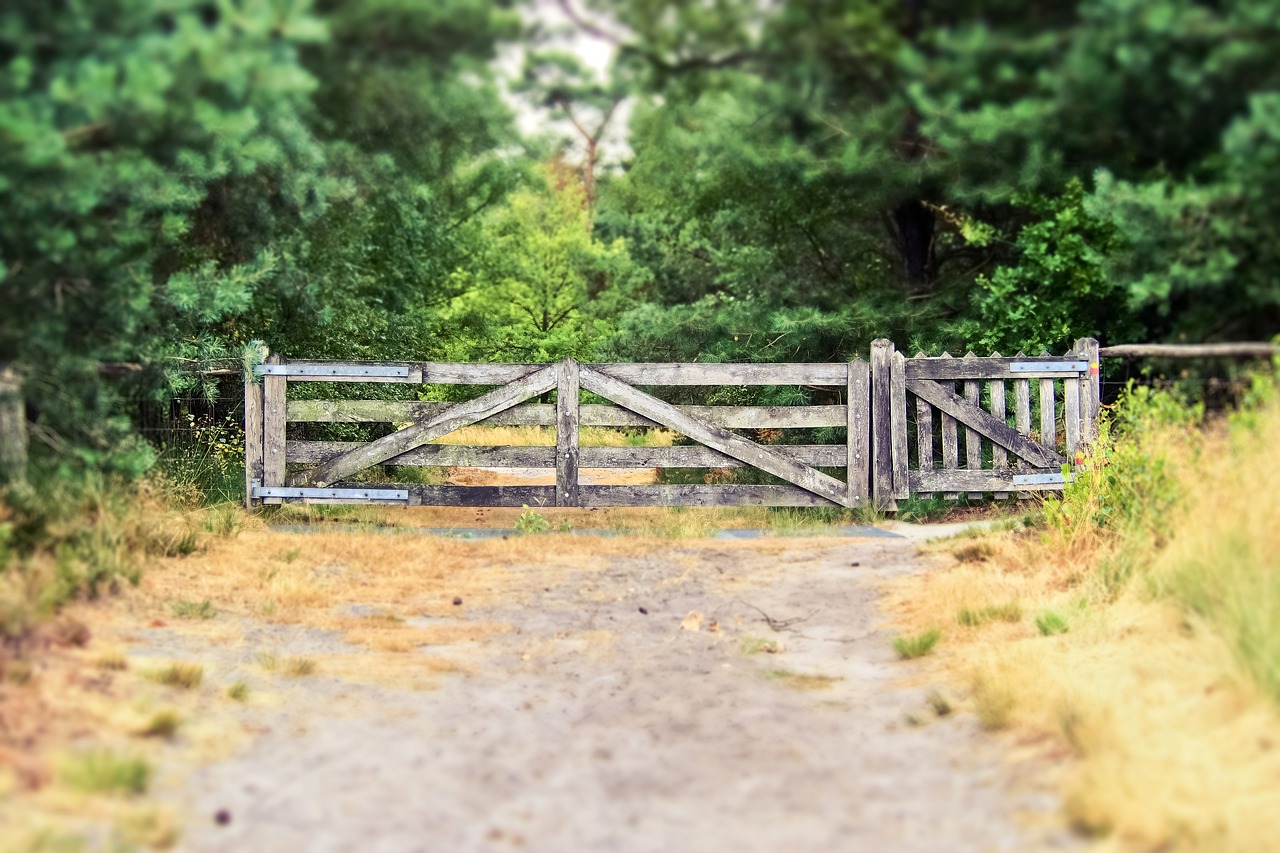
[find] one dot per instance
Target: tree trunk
(914, 223)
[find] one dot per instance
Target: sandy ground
(632, 707)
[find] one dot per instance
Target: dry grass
(1163, 689)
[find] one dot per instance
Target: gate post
(859, 434)
(567, 433)
(1090, 389)
(882, 425)
(273, 421)
(253, 460)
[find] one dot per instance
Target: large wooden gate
(867, 402)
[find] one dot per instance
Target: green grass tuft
(193, 609)
(101, 772)
(974, 617)
(1051, 623)
(185, 675)
(917, 646)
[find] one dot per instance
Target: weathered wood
(972, 439)
(505, 456)
(1048, 416)
(999, 456)
(459, 415)
(924, 435)
(567, 433)
(537, 497)
(726, 374)
(993, 429)
(950, 437)
(898, 418)
(13, 429)
(1071, 415)
(995, 367)
(1022, 406)
(273, 427)
(1090, 389)
(761, 457)
(975, 481)
(253, 436)
(858, 438)
(700, 495)
(537, 414)
(1248, 349)
(414, 376)
(882, 424)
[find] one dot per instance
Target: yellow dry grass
(1158, 692)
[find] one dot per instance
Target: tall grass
(1154, 651)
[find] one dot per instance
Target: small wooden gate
(869, 404)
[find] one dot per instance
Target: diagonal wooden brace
(717, 438)
(993, 428)
(455, 417)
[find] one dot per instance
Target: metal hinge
(1049, 367)
(1041, 479)
(357, 370)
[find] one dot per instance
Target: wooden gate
(867, 402)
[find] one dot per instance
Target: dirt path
(611, 718)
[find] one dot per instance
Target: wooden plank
(1022, 407)
(253, 437)
(533, 496)
(1071, 415)
(273, 426)
(924, 435)
(975, 481)
(995, 367)
(999, 456)
(950, 437)
(567, 433)
(506, 456)
(1048, 417)
(715, 437)
(726, 374)
(972, 438)
(700, 495)
(1090, 390)
(537, 414)
(414, 376)
(858, 439)
(898, 425)
(1245, 349)
(993, 429)
(421, 432)
(882, 424)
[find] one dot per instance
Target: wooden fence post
(567, 433)
(882, 424)
(1090, 389)
(273, 423)
(253, 459)
(13, 429)
(859, 433)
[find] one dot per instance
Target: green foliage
(531, 521)
(916, 646)
(102, 772)
(1050, 623)
(975, 617)
(1057, 290)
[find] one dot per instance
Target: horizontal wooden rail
(538, 414)
(979, 481)
(1247, 349)
(501, 456)
(540, 497)
(658, 373)
(1052, 367)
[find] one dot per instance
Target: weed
(801, 680)
(975, 552)
(917, 646)
(185, 675)
(102, 772)
(163, 724)
(18, 671)
(193, 609)
(974, 617)
(757, 645)
(531, 521)
(269, 661)
(298, 667)
(112, 661)
(238, 692)
(922, 510)
(1050, 623)
(938, 703)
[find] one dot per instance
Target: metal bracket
(331, 494)
(357, 370)
(1041, 479)
(1049, 367)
